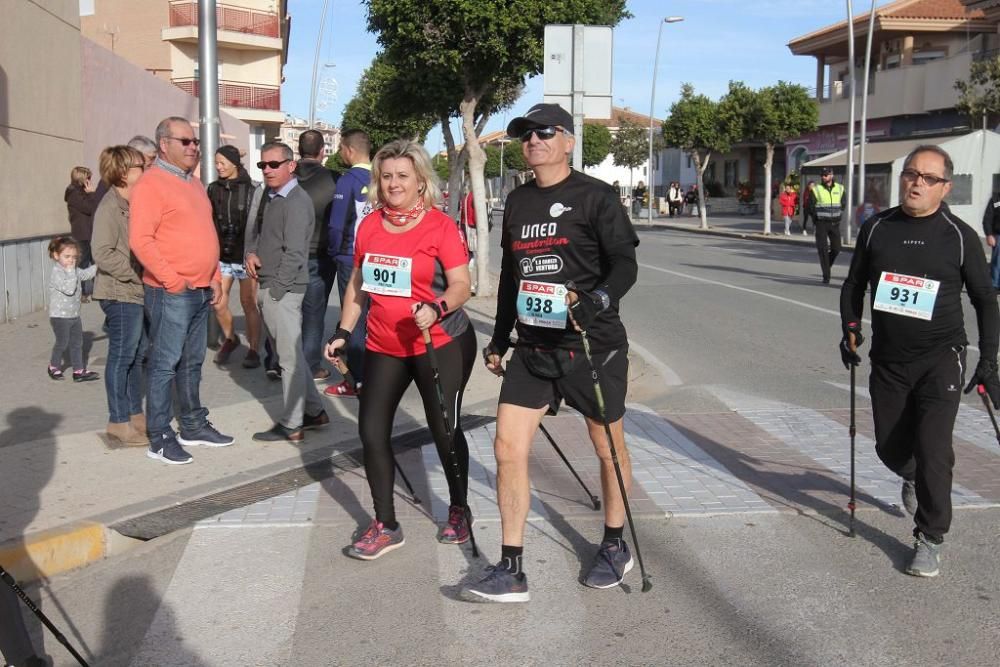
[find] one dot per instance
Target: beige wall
(41, 128)
(238, 65)
(121, 100)
(138, 24)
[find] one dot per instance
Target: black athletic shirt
(574, 230)
(939, 247)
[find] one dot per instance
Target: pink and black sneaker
(456, 531)
(376, 541)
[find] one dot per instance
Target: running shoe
(85, 376)
(207, 436)
(456, 531)
(252, 360)
(612, 562)
(342, 389)
(499, 585)
(376, 541)
(166, 448)
(228, 347)
(926, 560)
(55, 373)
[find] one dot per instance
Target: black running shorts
(525, 389)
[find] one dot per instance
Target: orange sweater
(171, 231)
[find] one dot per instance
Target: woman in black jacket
(81, 202)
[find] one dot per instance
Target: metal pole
(849, 177)
(864, 108)
(578, 85)
(652, 102)
(208, 96)
(319, 46)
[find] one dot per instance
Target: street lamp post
(651, 188)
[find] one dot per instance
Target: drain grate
(162, 522)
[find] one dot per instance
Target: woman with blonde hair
(411, 264)
(119, 290)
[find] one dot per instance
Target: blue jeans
(123, 374)
(322, 273)
(356, 343)
(178, 335)
(995, 267)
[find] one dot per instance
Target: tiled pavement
(761, 460)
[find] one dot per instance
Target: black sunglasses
(273, 164)
(543, 133)
(186, 142)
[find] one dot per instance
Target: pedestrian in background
(991, 229)
(675, 198)
(828, 203)
(118, 288)
(788, 200)
(411, 261)
(807, 203)
(638, 198)
(65, 289)
(172, 235)
(81, 201)
(235, 198)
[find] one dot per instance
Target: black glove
(341, 334)
(986, 375)
(587, 306)
(847, 355)
(494, 347)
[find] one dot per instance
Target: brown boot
(139, 423)
(126, 434)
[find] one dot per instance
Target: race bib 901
(905, 295)
(386, 274)
(541, 304)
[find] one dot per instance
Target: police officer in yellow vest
(827, 205)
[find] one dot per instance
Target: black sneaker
(317, 420)
(85, 376)
(207, 436)
(280, 433)
(612, 562)
(273, 372)
(166, 448)
(499, 585)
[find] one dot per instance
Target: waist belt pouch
(547, 363)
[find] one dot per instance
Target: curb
(50, 552)
(773, 238)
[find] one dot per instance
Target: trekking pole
(60, 637)
(853, 431)
(646, 583)
(452, 457)
(989, 408)
(595, 501)
(349, 379)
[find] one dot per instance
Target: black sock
(612, 533)
(390, 525)
(510, 558)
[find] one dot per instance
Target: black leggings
(386, 380)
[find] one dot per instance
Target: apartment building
(293, 127)
(161, 36)
(919, 49)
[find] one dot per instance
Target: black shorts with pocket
(526, 389)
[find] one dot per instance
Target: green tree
(979, 95)
(377, 107)
(482, 47)
(443, 167)
(630, 147)
(696, 126)
(771, 116)
(596, 144)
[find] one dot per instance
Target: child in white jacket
(64, 308)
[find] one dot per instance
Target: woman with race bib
(411, 263)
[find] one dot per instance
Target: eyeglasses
(271, 164)
(185, 142)
(140, 167)
(543, 133)
(912, 176)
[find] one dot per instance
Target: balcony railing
(243, 95)
(227, 17)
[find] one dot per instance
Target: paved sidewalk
(738, 226)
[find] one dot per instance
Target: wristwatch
(605, 299)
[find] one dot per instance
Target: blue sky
(719, 40)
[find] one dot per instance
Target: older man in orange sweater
(172, 234)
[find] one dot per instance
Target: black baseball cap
(541, 115)
(826, 171)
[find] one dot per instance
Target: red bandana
(403, 218)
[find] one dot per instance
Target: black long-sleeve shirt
(938, 247)
(574, 230)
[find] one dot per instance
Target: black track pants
(827, 245)
(915, 405)
(386, 380)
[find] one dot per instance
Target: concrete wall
(121, 100)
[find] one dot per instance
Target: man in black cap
(826, 206)
(568, 258)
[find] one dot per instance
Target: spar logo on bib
(910, 281)
(388, 261)
(538, 289)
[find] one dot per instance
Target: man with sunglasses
(277, 255)
(171, 232)
(916, 258)
(563, 227)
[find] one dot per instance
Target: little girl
(64, 308)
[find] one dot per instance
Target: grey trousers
(284, 322)
(69, 336)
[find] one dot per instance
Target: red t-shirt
(433, 247)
